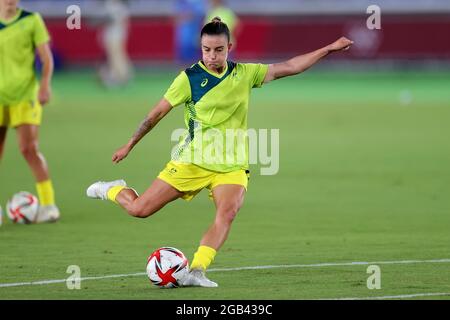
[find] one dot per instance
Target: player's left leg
(3, 131)
(28, 143)
(228, 199)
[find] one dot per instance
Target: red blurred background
(268, 37)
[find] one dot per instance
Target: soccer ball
(167, 267)
(22, 208)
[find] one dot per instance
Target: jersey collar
(224, 72)
(18, 13)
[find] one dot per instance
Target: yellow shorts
(191, 179)
(27, 112)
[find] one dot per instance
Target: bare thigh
(228, 199)
(153, 199)
(28, 136)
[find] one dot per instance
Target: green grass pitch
(364, 176)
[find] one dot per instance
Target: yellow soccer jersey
(19, 38)
(216, 108)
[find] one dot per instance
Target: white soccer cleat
(197, 278)
(99, 189)
(47, 214)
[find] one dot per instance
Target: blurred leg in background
(117, 71)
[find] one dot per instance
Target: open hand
(342, 44)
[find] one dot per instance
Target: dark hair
(216, 27)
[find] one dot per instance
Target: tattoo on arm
(143, 129)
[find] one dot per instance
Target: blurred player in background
(189, 15)
(219, 9)
(215, 92)
(117, 71)
(21, 95)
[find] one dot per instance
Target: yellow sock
(203, 257)
(113, 192)
(45, 192)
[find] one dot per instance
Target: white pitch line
(403, 296)
(34, 283)
(331, 264)
(316, 265)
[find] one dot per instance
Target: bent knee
(29, 149)
(140, 211)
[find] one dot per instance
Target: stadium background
(364, 153)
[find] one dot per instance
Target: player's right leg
(27, 135)
(153, 199)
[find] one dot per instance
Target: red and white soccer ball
(22, 208)
(167, 267)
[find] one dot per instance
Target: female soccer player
(21, 96)
(215, 92)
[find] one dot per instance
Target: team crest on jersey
(204, 82)
(173, 170)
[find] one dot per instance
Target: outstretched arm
(155, 115)
(303, 62)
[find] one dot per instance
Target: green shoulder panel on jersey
(23, 14)
(201, 81)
